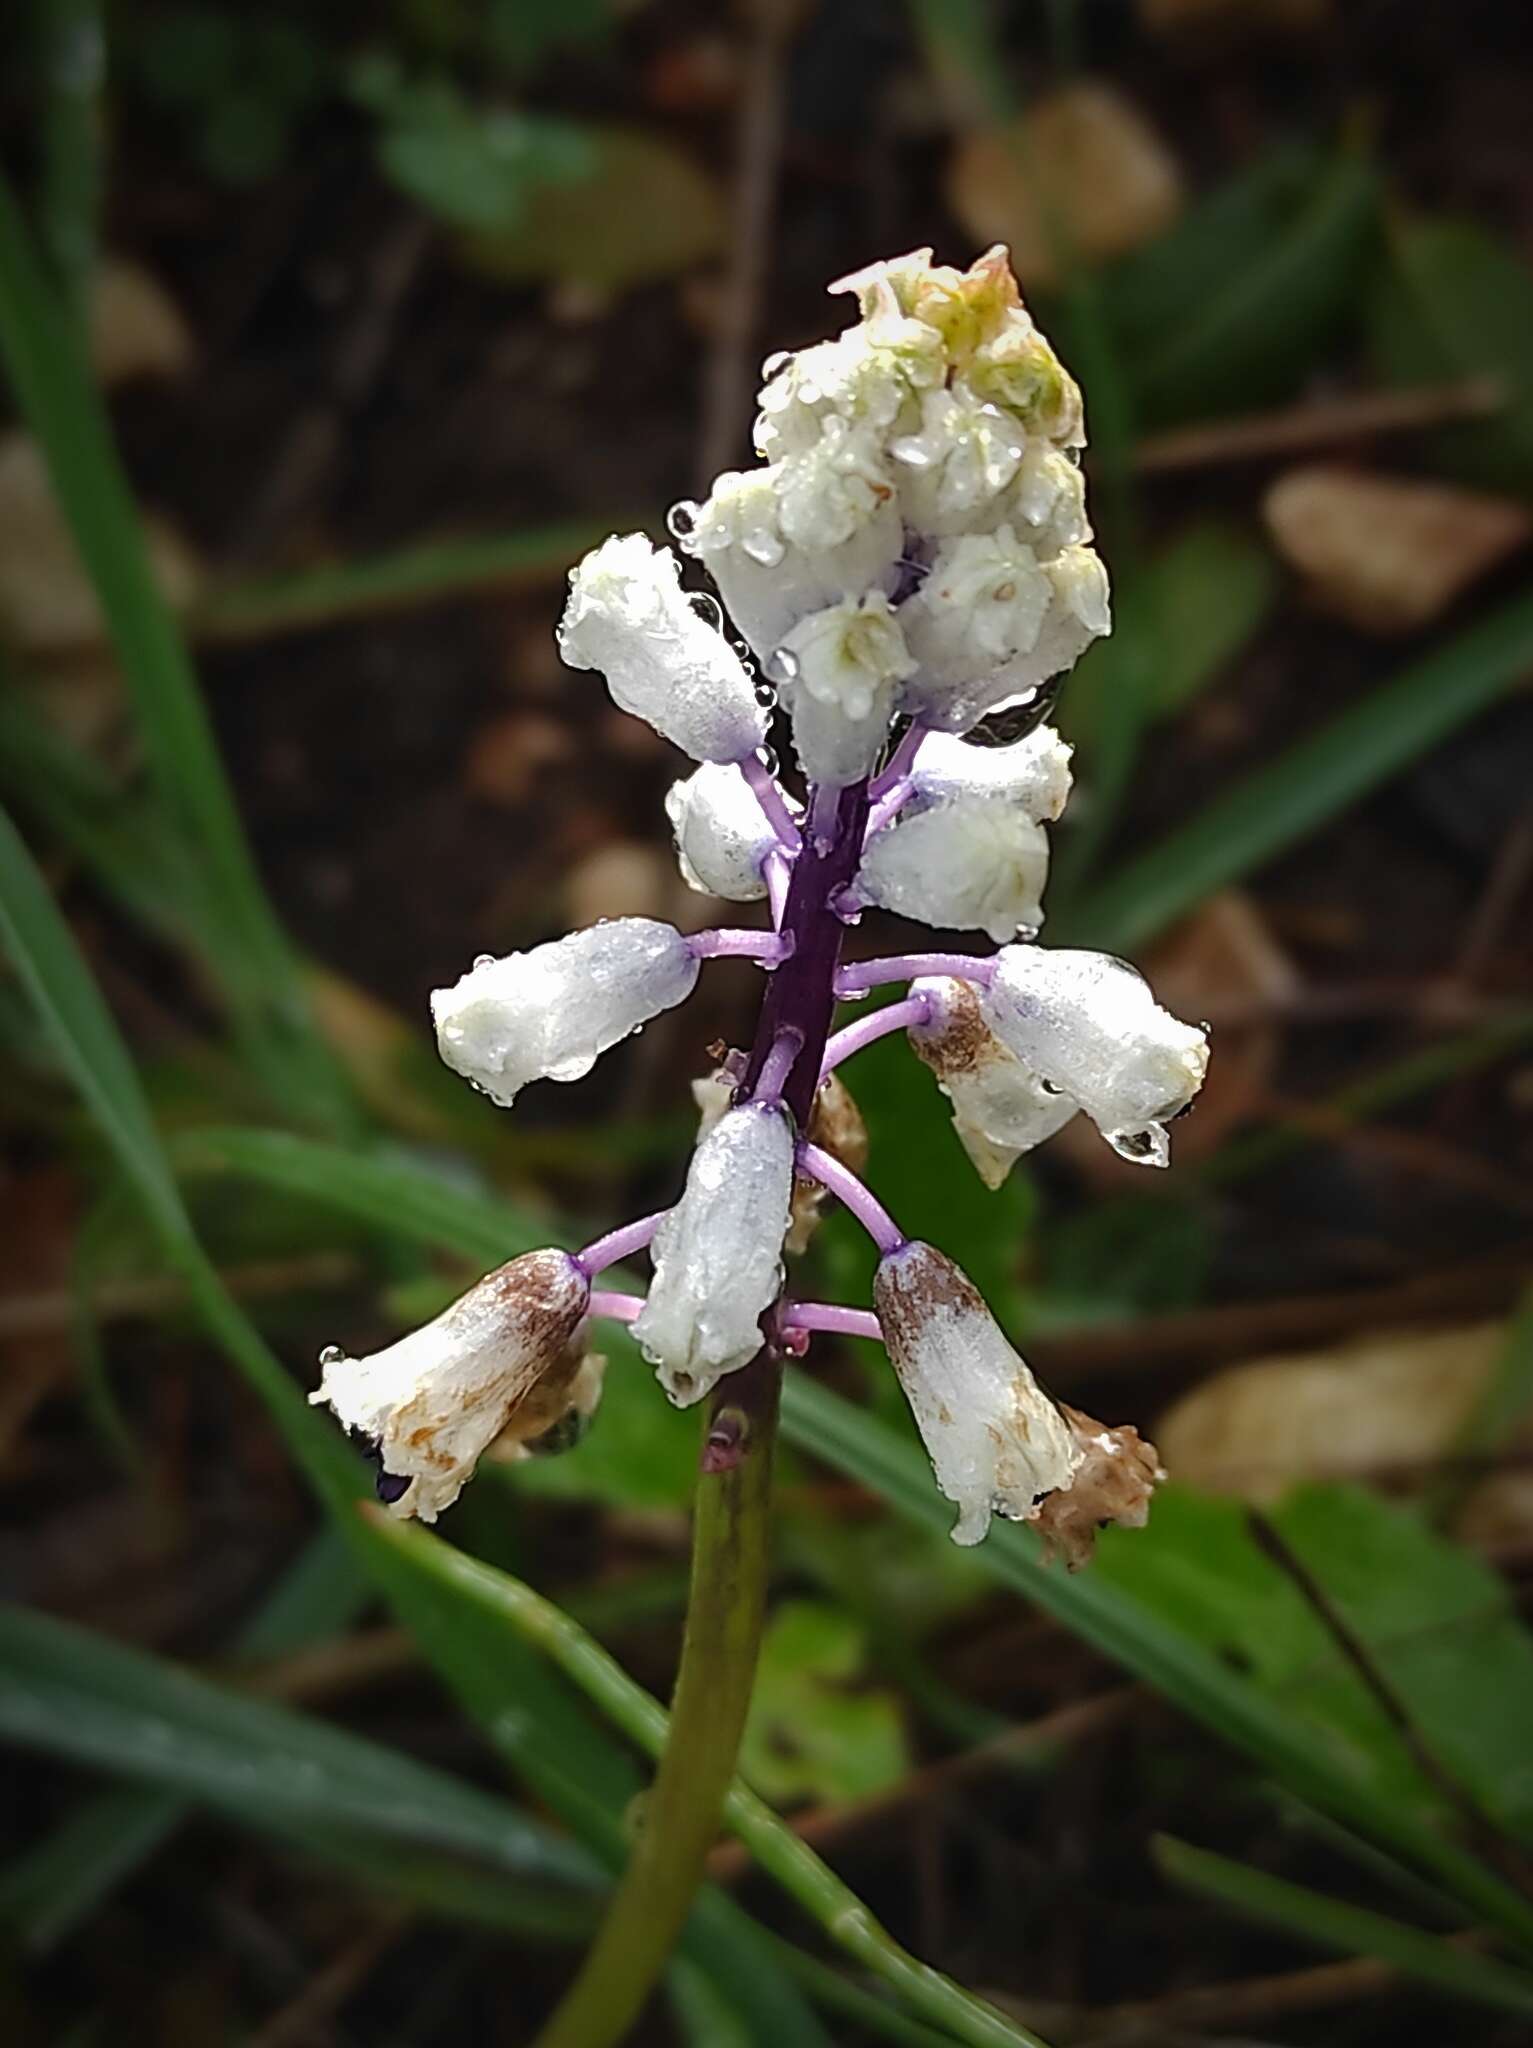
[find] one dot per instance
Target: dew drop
(1149, 1147)
(681, 520)
(331, 1355)
(708, 609)
(763, 547)
(484, 959)
(766, 696)
(767, 756)
(782, 665)
(775, 364)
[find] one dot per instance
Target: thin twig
(1480, 1828)
(328, 1990)
(819, 1826)
(1319, 424)
(1244, 1329)
(43, 1314)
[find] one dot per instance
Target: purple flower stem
(777, 1065)
(618, 1244)
(849, 1191)
(829, 1315)
(801, 994)
(900, 762)
(770, 948)
(876, 1024)
(862, 975)
(888, 805)
(824, 810)
(768, 793)
(622, 1308)
(778, 871)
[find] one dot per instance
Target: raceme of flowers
(910, 556)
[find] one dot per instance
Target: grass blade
(71, 1692)
(427, 573)
(44, 954)
(1271, 810)
(48, 367)
(1350, 1930)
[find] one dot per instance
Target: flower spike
(911, 554)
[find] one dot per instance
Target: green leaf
(72, 1693)
(1250, 288)
(815, 1732)
(1454, 299)
(1337, 1777)
(1347, 1929)
(1203, 599)
(1265, 813)
(644, 211)
(474, 167)
(44, 955)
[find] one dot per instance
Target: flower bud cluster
(911, 554)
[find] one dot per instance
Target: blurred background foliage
(332, 335)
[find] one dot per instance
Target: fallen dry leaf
(47, 604)
(136, 328)
(647, 211)
(624, 878)
(1388, 554)
(1082, 164)
(1385, 1406)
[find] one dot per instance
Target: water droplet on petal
(708, 609)
(775, 363)
(1149, 1147)
(782, 665)
(331, 1355)
(484, 959)
(763, 546)
(767, 756)
(766, 696)
(681, 520)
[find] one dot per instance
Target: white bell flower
(991, 622)
(551, 1013)
(976, 863)
(1017, 370)
(1001, 1109)
(868, 377)
(629, 617)
(1032, 774)
(836, 672)
(1089, 1026)
(1047, 502)
(966, 308)
(718, 1254)
(722, 834)
(996, 1441)
(960, 462)
(769, 576)
(434, 1402)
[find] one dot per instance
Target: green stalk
(726, 1605)
(789, 1861)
